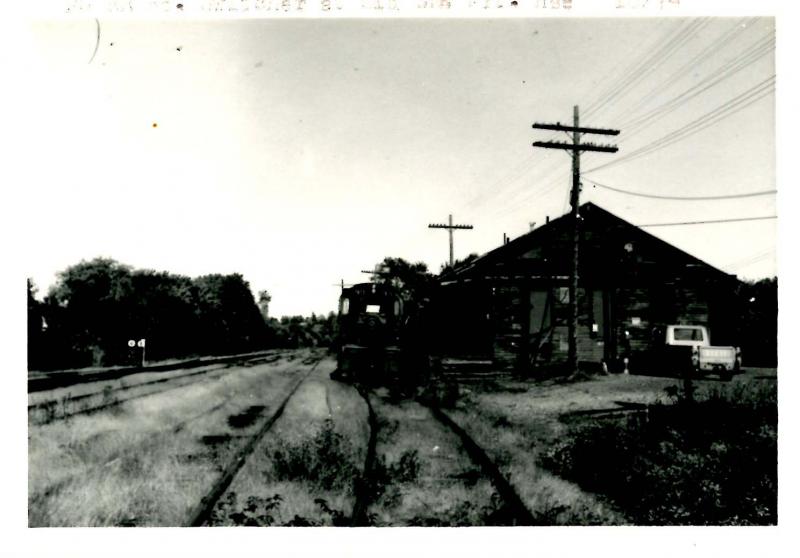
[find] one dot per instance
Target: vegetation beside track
(423, 476)
(709, 462)
(149, 461)
(585, 453)
(305, 472)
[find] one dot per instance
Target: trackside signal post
(141, 343)
(575, 148)
(450, 228)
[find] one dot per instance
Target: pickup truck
(687, 348)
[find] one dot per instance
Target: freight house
(512, 304)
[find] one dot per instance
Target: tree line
(97, 306)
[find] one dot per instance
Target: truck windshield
(688, 334)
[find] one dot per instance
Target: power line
(646, 65)
(729, 108)
(724, 72)
(741, 61)
(721, 41)
(632, 70)
(681, 198)
(519, 198)
(758, 256)
(710, 222)
(509, 178)
(728, 105)
(665, 46)
(515, 174)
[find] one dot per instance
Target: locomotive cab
(368, 332)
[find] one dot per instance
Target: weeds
(257, 511)
(710, 462)
(407, 468)
(265, 512)
(338, 518)
(385, 480)
(444, 393)
(325, 460)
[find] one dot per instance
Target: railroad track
(149, 442)
(45, 381)
(512, 511)
(359, 517)
(200, 515)
(49, 407)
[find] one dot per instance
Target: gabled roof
(594, 217)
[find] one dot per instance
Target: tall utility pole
(575, 147)
(450, 227)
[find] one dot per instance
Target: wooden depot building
(511, 305)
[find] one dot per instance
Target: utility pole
(450, 228)
(575, 147)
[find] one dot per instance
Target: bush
(257, 512)
(710, 463)
(325, 460)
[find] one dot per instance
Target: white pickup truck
(679, 346)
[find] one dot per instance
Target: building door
(610, 353)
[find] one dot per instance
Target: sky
(300, 152)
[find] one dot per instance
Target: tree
(758, 322)
(36, 326)
(412, 280)
(228, 310)
(164, 313)
(86, 307)
(446, 268)
(95, 307)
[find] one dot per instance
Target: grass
(304, 472)
(529, 428)
(99, 481)
(423, 476)
(713, 462)
(150, 460)
(517, 421)
(63, 402)
(515, 447)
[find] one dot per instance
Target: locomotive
(379, 336)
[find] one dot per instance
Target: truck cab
(686, 349)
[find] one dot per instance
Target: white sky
(300, 152)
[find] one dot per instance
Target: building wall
(630, 282)
(530, 322)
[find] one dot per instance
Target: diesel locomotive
(379, 337)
